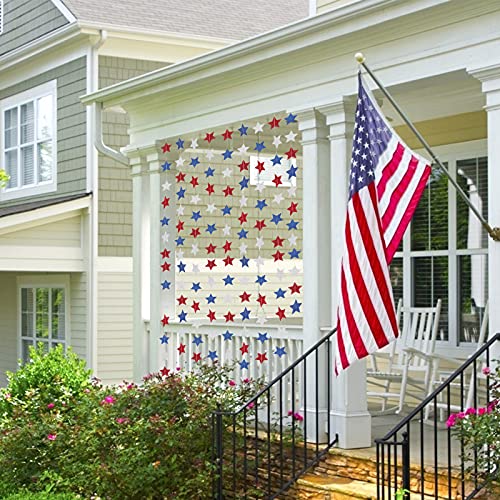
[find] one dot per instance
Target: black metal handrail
(439, 468)
(262, 448)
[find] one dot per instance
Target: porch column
(316, 245)
(490, 79)
(350, 417)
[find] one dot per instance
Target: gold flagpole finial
(359, 57)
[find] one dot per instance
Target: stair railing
(420, 455)
(261, 449)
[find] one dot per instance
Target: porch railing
(261, 449)
(420, 454)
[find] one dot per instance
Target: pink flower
(86, 391)
(481, 411)
(108, 400)
(130, 386)
(290, 413)
(51, 437)
(50, 406)
(122, 420)
(298, 416)
(246, 380)
(452, 420)
(486, 370)
(470, 411)
(232, 383)
(461, 415)
(178, 369)
(250, 405)
(7, 395)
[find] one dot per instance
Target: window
(29, 141)
(43, 317)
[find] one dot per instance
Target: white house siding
(8, 324)
(78, 312)
(114, 319)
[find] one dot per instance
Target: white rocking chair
(410, 360)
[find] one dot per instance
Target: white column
(316, 245)
(350, 417)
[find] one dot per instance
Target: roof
(232, 19)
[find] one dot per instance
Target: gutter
(98, 139)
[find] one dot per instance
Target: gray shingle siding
(27, 20)
(71, 129)
(115, 183)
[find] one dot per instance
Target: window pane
(58, 313)
(27, 312)
(45, 118)
(429, 227)
(45, 161)
(430, 283)
(27, 123)
(396, 273)
(27, 166)
(11, 168)
(11, 128)
(472, 175)
(42, 312)
(25, 347)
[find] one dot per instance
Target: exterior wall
(28, 20)
(8, 324)
(71, 128)
(114, 316)
(78, 308)
(115, 183)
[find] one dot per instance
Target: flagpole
(493, 232)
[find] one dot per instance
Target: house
(66, 212)
(440, 60)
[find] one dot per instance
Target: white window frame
(48, 88)
(1, 16)
(449, 154)
(44, 281)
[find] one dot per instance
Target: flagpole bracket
(495, 233)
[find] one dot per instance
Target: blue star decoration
(209, 172)
(261, 279)
(212, 355)
(295, 306)
(228, 280)
(194, 161)
(226, 210)
(262, 337)
(181, 193)
(244, 364)
(292, 225)
(211, 299)
(182, 316)
(280, 351)
(280, 293)
(166, 285)
(180, 241)
(290, 119)
(245, 314)
(244, 261)
(292, 172)
(197, 340)
(165, 221)
(294, 254)
(164, 339)
(244, 183)
(228, 335)
(243, 130)
(242, 234)
(259, 146)
(166, 166)
(276, 218)
(182, 267)
(261, 204)
(227, 154)
(180, 143)
(211, 228)
(277, 160)
(196, 216)
(196, 287)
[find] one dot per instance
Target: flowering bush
(479, 430)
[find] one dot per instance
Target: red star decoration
(179, 226)
(164, 320)
(165, 371)
(280, 313)
(211, 248)
(260, 224)
(277, 180)
(245, 297)
(195, 232)
(278, 256)
(180, 177)
(165, 267)
(261, 300)
(244, 348)
(211, 315)
(209, 137)
(210, 189)
(196, 357)
(295, 288)
(182, 300)
(211, 264)
(274, 122)
(292, 153)
(166, 147)
(165, 254)
(228, 191)
(260, 167)
(165, 202)
(244, 165)
(227, 246)
(227, 134)
(195, 306)
(228, 261)
(243, 217)
(292, 208)
(182, 348)
(261, 357)
(194, 181)
(229, 316)
(278, 242)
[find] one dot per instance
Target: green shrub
(27, 495)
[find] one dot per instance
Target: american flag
(386, 182)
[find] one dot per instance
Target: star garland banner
(237, 230)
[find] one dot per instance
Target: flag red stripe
(390, 169)
(341, 346)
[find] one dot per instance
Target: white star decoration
(290, 137)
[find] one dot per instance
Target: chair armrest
(416, 352)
